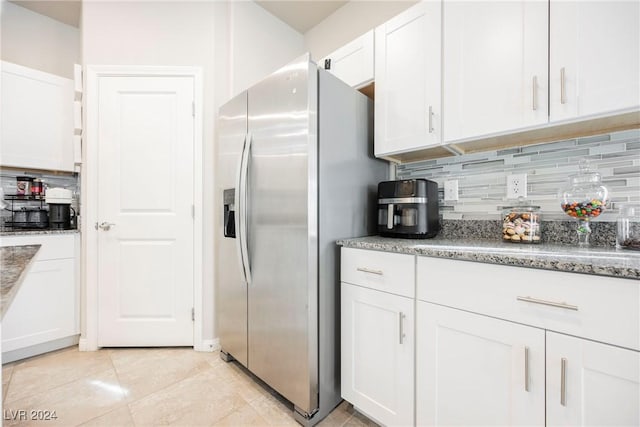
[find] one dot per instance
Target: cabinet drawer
(604, 309)
(52, 246)
(388, 272)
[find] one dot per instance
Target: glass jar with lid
(521, 223)
(584, 199)
(628, 230)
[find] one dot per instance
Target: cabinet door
(44, 309)
(408, 86)
(594, 57)
(599, 384)
(377, 354)
(352, 63)
(495, 67)
(477, 370)
(37, 119)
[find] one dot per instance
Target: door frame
(89, 197)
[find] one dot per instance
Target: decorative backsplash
(482, 176)
(70, 181)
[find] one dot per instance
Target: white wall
(236, 44)
(350, 21)
(261, 44)
(37, 41)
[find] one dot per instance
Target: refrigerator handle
(244, 171)
(238, 205)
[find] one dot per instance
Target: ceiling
(302, 15)
(67, 11)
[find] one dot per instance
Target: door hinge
(193, 109)
(193, 314)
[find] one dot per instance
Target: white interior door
(145, 208)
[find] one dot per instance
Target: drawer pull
(368, 270)
(401, 318)
(563, 381)
(526, 369)
(549, 303)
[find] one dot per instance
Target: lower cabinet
(590, 383)
(477, 370)
(44, 314)
(377, 354)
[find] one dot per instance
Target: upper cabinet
(594, 57)
(495, 69)
(37, 119)
(352, 63)
(408, 111)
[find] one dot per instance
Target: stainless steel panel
(231, 290)
(348, 183)
(282, 232)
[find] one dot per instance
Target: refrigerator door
(282, 233)
(231, 289)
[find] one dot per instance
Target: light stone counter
(600, 261)
(18, 232)
(15, 262)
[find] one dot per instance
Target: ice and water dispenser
(229, 213)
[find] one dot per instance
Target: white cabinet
(594, 57)
(408, 112)
(494, 67)
(353, 62)
(508, 310)
(590, 383)
(377, 336)
(477, 370)
(46, 306)
(37, 119)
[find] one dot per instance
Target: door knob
(106, 226)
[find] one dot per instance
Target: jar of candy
(628, 233)
(584, 199)
(521, 223)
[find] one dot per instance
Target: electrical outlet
(516, 186)
(451, 190)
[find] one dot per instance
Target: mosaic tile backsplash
(482, 176)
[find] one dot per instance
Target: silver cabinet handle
(401, 322)
(549, 303)
(526, 369)
(368, 270)
(535, 93)
(563, 95)
(106, 226)
(563, 381)
(430, 119)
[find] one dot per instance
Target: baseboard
(208, 345)
(83, 344)
(35, 350)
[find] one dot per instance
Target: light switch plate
(451, 190)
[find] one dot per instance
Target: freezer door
(231, 290)
(282, 237)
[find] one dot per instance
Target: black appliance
(60, 216)
(408, 209)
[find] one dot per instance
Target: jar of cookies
(521, 223)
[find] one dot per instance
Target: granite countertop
(15, 262)
(18, 232)
(593, 260)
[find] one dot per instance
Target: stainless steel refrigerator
(294, 173)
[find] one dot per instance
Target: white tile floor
(145, 387)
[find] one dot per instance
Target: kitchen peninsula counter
(568, 258)
(15, 262)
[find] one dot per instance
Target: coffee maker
(59, 201)
(408, 209)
